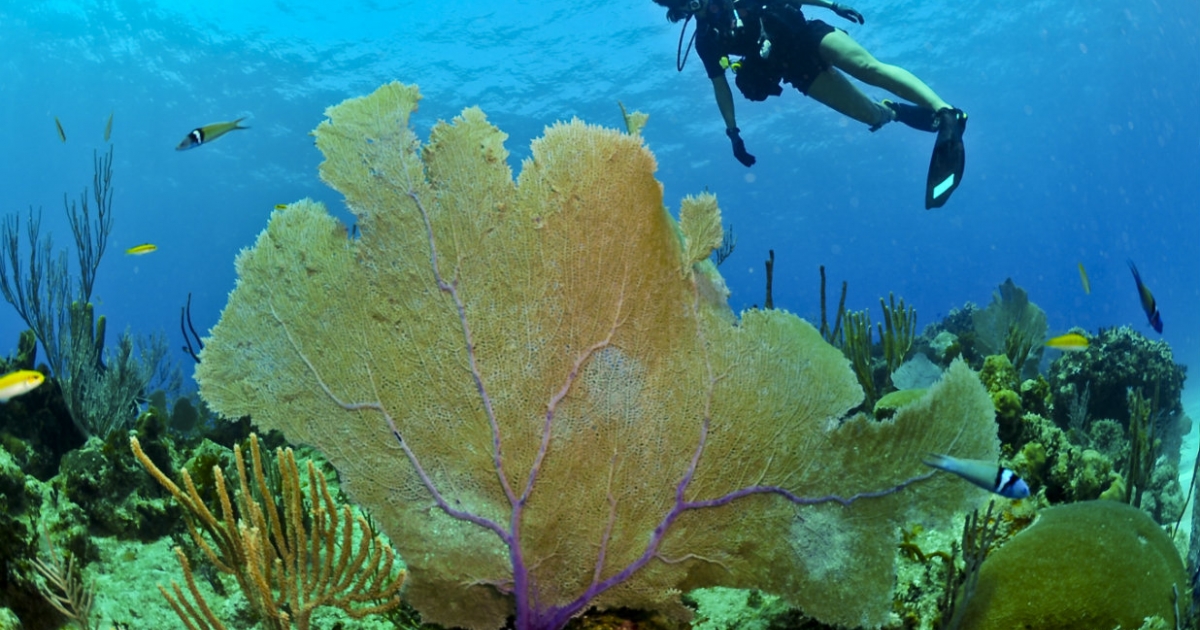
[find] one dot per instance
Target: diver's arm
(842, 10)
(724, 100)
(725, 103)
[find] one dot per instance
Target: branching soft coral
(537, 389)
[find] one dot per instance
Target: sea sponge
(998, 373)
(1008, 414)
(1035, 396)
(887, 406)
(1094, 564)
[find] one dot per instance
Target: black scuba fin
(949, 157)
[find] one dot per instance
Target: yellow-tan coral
(552, 357)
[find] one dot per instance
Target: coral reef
(106, 483)
(719, 608)
(887, 406)
(1000, 378)
(1117, 360)
(916, 373)
(36, 428)
(1058, 469)
(538, 391)
(873, 365)
(285, 554)
(1095, 564)
(1013, 326)
(99, 388)
(1068, 432)
(19, 503)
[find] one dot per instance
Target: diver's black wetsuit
(794, 45)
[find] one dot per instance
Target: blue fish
(1148, 303)
(986, 475)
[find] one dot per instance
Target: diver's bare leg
(841, 51)
(834, 90)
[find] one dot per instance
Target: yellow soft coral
(541, 410)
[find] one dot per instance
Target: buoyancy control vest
(759, 74)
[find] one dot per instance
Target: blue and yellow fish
(208, 133)
(1148, 303)
(987, 475)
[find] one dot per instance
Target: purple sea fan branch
(520, 574)
(529, 614)
(557, 398)
(556, 618)
(522, 585)
(452, 289)
(799, 500)
(608, 527)
(442, 504)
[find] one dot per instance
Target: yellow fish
(20, 382)
(1070, 342)
(108, 127)
(144, 248)
(281, 206)
(62, 135)
(1087, 286)
(208, 133)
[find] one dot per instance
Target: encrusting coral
(538, 391)
(1117, 360)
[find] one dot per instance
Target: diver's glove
(847, 13)
(739, 147)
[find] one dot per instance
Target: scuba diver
(768, 41)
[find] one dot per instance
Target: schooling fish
(1087, 286)
(986, 475)
(20, 382)
(1147, 299)
(144, 248)
(1070, 342)
(108, 127)
(62, 135)
(208, 133)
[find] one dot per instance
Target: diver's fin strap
(919, 118)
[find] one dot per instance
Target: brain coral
(1094, 564)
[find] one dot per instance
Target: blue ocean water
(1083, 144)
